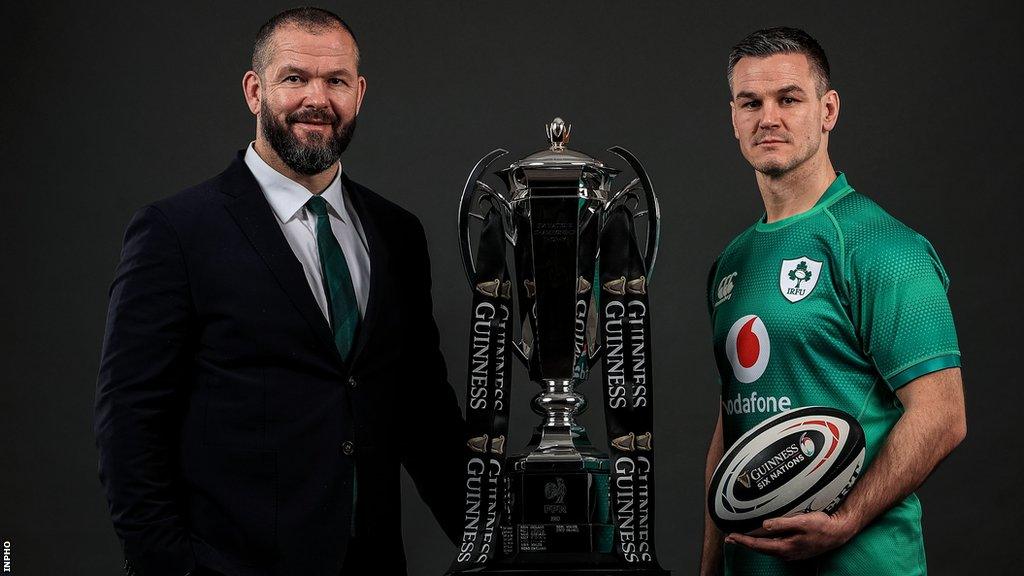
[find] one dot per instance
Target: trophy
(580, 289)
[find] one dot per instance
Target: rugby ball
(798, 461)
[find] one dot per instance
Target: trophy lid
(557, 154)
(557, 159)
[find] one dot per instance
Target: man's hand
(798, 537)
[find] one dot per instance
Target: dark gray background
(109, 109)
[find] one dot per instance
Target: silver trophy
(560, 506)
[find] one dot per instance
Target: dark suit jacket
(229, 428)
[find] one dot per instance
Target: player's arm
(711, 553)
(934, 422)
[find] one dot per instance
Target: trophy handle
(475, 190)
(652, 211)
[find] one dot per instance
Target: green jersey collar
(835, 191)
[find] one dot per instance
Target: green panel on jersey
(838, 306)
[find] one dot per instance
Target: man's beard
(776, 169)
(317, 153)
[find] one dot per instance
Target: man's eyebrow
(339, 72)
(790, 89)
(289, 70)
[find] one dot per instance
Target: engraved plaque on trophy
(559, 253)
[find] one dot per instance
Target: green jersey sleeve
(897, 290)
(709, 295)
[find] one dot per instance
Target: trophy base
(558, 509)
(562, 565)
(569, 571)
(560, 520)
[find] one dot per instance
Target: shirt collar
(838, 186)
(837, 190)
(286, 196)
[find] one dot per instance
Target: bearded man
(270, 351)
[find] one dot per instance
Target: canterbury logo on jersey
(724, 291)
(748, 348)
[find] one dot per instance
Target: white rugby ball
(798, 461)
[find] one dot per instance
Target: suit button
(352, 381)
(348, 448)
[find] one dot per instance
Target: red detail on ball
(831, 449)
(748, 347)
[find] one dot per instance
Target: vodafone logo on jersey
(748, 348)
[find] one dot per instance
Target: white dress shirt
(288, 200)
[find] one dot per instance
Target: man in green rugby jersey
(827, 300)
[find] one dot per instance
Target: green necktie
(341, 297)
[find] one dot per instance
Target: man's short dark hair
(314, 20)
(782, 40)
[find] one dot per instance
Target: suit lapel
(378, 262)
(254, 216)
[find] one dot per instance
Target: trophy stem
(558, 403)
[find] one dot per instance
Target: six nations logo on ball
(748, 348)
(798, 277)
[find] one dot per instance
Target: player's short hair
(310, 19)
(783, 40)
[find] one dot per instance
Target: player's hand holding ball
(777, 485)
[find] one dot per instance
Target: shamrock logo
(798, 277)
(800, 273)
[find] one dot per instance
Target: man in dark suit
(271, 357)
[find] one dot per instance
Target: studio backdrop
(110, 107)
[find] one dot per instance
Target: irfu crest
(800, 273)
(798, 277)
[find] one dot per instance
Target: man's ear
(732, 115)
(830, 111)
(361, 91)
(252, 89)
